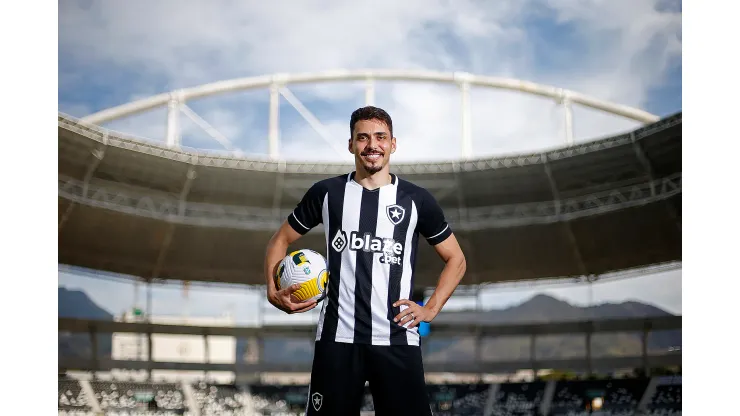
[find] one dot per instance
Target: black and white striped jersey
(371, 242)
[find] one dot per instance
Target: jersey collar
(351, 178)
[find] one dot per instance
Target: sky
(627, 52)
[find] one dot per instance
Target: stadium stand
(518, 399)
(658, 396)
(122, 397)
(63, 412)
(219, 399)
(458, 399)
(273, 400)
(72, 400)
(666, 400)
(622, 396)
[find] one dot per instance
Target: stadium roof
(139, 208)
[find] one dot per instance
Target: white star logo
(317, 399)
(395, 213)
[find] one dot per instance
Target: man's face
(372, 145)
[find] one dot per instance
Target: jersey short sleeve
(307, 214)
(432, 223)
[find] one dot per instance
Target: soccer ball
(307, 268)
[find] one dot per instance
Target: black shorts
(395, 375)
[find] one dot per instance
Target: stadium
(158, 212)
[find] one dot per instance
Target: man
(367, 329)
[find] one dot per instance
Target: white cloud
(628, 47)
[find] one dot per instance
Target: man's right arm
(305, 216)
(275, 252)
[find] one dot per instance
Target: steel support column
(467, 141)
(568, 110)
(149, 300)
(370, 91)
(173, 119)
(533, 353)
(206, 352)
(94, 349)
(149, 354)
(274, 127)
(589, 361)
(478, 348)
(645, 361)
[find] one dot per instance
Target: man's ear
(349, 145)
(393, 145)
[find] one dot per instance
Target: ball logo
(395, 213)
(339, 242)
(299, 258)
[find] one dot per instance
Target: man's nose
(374, 143)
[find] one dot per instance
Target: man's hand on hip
(413, 314)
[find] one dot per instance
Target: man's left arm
(454, 270)
(434, 227)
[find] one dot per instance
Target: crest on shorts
(395, 213)
(316, 400)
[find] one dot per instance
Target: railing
(172, 210)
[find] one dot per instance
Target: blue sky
(627, 52)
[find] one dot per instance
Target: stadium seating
(621, 397)
(63, 412)
(666, 401)
(116, 396)
(518, 399)
(71, 397)
(219, 399)
(273, 400)
(458, 399)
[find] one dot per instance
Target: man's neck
(372, 181)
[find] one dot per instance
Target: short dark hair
(370, 113)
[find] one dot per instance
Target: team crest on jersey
(316, 400)
(395, 213)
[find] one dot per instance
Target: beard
(371, 167)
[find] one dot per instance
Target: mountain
(543, 308)
(76, 304)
